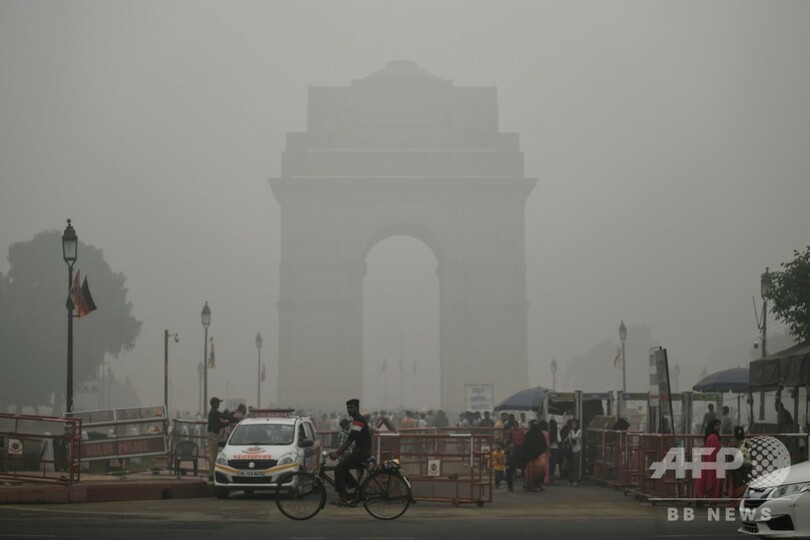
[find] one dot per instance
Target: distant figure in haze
(240, 413)
(343, 434)
(575, 441)
(486, 421)
(725, 421)
(708, 417)
(523, 423)
(783, 417)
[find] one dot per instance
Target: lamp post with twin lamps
(70, 245)
(206, 322)
(259, 371)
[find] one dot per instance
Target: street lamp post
(623, 336)
(259, 371)
(166, 336)
(554, 374)
(206, 322)
(200, 407)
(70, 244)
(765, 291)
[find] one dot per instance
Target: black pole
(69, 390)
(166, 370)
(205, 369)
(764, 327)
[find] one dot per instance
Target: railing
(114, 435)
(40, 448)
(448, 465)
(623, 459)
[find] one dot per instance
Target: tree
(33, 321)
(790, 294)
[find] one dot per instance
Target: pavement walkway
(102, 487)
(557, 501)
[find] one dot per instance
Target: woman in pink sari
(535, 457)
(709, 486)
(546, 458)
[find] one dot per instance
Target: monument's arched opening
(401, 326)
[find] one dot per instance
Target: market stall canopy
(790, 367)
(728, 380)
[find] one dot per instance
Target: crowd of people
(538, 451)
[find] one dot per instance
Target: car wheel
(221, 493)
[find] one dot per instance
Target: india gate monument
(401, 152)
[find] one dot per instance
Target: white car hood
(257, 451)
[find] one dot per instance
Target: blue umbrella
(525, 400)
(729, 380)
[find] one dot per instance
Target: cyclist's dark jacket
(360, 434)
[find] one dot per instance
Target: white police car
(261, 448)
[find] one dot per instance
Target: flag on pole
(80, 301)
(86, 304)
(74, 296)
(212, 364)
(262, 372)
(617, 362)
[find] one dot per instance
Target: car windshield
(269, 434)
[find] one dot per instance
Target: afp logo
(769, 459)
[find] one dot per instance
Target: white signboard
(15, 447)
(479, 397)
(434, 467)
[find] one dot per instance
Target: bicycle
(385, 493)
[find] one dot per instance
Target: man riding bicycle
(360, 435)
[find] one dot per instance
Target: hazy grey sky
(670, 141)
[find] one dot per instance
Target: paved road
(566, 513)
(104, 526)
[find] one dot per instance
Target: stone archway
(401, 152)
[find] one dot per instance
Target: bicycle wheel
(386, 495)
(300, 495)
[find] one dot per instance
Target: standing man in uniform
(216, 421)
(360, 435)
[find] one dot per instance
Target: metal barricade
(40, 448)
(624, 459)
(442, 467)
(111, 436)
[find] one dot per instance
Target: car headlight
(221, 460)
(288, 458)
(790, 489)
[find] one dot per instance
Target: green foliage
(790, 294)
(33, 320)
